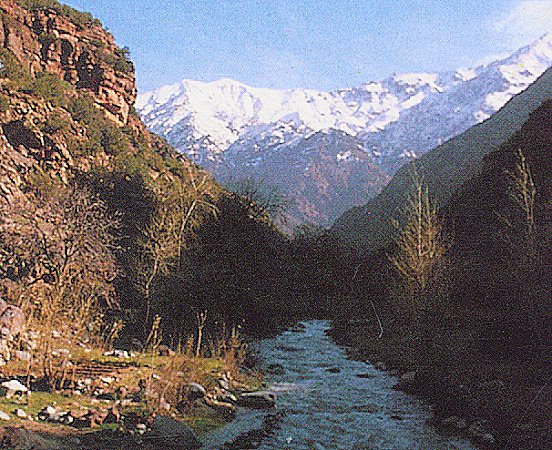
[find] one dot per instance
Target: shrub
(119, 61)
(4, 103)
(49, 87)
(56, 122)
(81, 19)
(12, 69)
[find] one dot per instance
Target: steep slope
(395, 120)
(444, 169)
(486, 312)
(69, 137)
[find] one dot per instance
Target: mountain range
(330, 151)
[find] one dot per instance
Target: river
(327, 401)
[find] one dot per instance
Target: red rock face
(86, 57)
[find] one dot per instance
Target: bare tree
(417, 259)
(523, 192)
(182, 204)
(57, 261)
(420, 245)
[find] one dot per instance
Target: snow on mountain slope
(226, 124)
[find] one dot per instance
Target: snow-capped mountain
(236, 130)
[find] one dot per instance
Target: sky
(317, 44)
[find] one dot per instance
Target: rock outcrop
(75, 48)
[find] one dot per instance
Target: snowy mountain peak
(225, 122)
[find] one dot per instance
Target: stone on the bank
(117, 353)
(224, 409)
(20, 413)
(4, 416)
(172, 434)
(14, 387)
(194, 391)
(224, 383)
(257, 400)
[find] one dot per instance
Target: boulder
(4, 416)
(12, 322)
(14, 387)
(226, 410)
(194, 391)
(169, 433)
(257, 400)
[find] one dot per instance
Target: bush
(113, 140)
(12, 69)
(56, 122)
(4, 103)
(119, 61)
(49, 87)
(82, 19)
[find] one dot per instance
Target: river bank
(119, 399)
(507, 399)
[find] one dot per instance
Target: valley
(214, 265)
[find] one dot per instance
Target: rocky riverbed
(325, 400)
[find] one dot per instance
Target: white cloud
(527, 20)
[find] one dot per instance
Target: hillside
(473, 339)
(70, 142)
(226, 124)
(445, 168)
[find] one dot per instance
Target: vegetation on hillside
(464, 293)
(82, 19)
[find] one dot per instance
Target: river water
(327, 401)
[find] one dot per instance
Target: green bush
(82, 19)
(49, 87)
(12, 69)
(119, 61)
(101, 131)
(82, 110)
(113, 140)
(56, 122)
(4, 103)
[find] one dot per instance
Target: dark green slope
(445, 168)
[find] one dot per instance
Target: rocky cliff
(66, 100)
(75, 47)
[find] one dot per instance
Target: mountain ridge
(394, 121)
(444, 169)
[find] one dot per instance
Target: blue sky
(315, 44)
